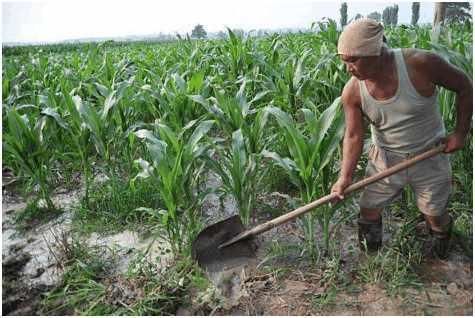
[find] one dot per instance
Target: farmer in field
(396, 91)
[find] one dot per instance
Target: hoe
(227, 244)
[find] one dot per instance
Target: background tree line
(443, 12)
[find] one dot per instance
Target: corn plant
(174, 106)
(175, 167)
(31, 148)
(80, 124)
(240, 173)
(106, 93)
(311, 147)
(236, 112)
(240, 164)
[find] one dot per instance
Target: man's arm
(353, 139)
(444, 74)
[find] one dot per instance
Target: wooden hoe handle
(354, 187)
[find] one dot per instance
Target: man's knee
(370, 229)
(370, 214)
(438, 223)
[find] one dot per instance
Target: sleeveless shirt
(407, 122)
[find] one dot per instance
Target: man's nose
(349, 68)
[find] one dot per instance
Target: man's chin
(360, 77)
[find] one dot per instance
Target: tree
(390, 15)
(394, 14)
(458, 12)
(358, 16)
(222, 35)
(451, 12)
(198, 32)
(343, 14)
(387, 16)
(439, 13)
(415, 12)
(375, 16)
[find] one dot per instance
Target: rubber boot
(370, 234)
(440, 235)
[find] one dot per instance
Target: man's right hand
(339, 187)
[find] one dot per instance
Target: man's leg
(376, 196)
(371, 214)
(431, 182)
(440, 229)
(370, 229)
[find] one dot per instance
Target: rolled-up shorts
(430, 179)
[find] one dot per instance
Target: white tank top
(407, 122)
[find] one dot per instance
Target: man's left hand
(454, 142)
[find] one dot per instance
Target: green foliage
(395, 266)
(327, 298)
(131, 109)
(29, 148)
(88, 289)
(311, 147)
(240, 173)
(81, 291)
(34, 214)
(174, 168)
(165, 290)
(117, 204)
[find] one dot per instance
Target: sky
(51, 21)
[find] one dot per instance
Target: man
(396, 91)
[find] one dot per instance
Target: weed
(81, 290)
(280, 253)
(394, 266)
(325, 299)
(35, 214)
(164, 290)
(114, 205)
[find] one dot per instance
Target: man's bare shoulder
(351, 93)
(421, 60)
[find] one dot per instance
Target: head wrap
(362, 37)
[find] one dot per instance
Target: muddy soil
(32, 258)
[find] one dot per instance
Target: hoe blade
(209, 256)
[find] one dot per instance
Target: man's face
(361, 67)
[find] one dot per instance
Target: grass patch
(165, 290)
(90, 287)
(33, 215)
(81, 291)
(277, 179)
(394, 266)
(278, 253)
(115, 205)
(463, 227)
(325, 299)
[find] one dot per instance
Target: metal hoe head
(205, 248)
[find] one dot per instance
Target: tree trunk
(439, 13)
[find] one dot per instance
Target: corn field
(155, 118)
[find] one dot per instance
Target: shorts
(430, 179)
